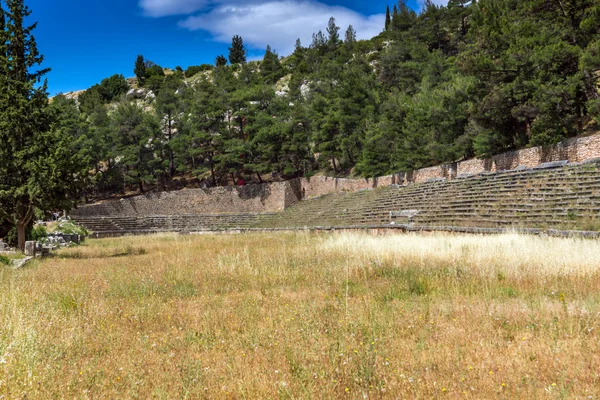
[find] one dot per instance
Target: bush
(154, 70)
(154, 83)
(90, 99)
(594, 110)
(12, 238)
(38, 232)
(4, 260)
(113, 87)
(71, 228)
(195, 69)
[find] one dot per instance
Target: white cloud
(162, 8)
(279, 23)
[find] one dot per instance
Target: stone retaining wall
(238, 199)
(276, 197)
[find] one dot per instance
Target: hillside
(470, 79)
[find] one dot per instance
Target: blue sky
(85, 41)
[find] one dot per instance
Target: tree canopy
(40, 169)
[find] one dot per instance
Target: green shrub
(12, 236)
(4, 260)
(38, 232)
(195, 69)
(71, 228)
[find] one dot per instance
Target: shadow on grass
(123, 252)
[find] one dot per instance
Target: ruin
(556, 187)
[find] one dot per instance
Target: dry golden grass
(305, 316)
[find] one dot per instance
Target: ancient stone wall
(239, 199)
(276, 197)
(321, 185)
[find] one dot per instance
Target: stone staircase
(560, 197)
(119, 226)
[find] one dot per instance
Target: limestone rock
(30, 249)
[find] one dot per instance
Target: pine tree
(350, 38)
(334, 33)
(168, 108)
(270, 68)
(220, 61)
(388, 18)
(38, 167)
(404, 17)
(140, 69)
(237, 51)
(394, 17)
(138, 140)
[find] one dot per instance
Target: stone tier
(558, 196)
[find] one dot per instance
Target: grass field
(305, 316)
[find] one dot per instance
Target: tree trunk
(22, 223)
(21, 236)
(259, 178)
(171, 155)
(212, 172)
(141, 185)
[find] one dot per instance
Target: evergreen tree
(169, 104)
(404, 17)
(394, 17)
(388, 18)
(237, 51)
(334, 33)
(350, 38)
(270, 67)
(137, 142)
(140, 69)
(38, 167)
(319, 43)
(220, 61)
(200, 142)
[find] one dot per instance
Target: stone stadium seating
(551, 196)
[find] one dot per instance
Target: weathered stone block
(30, 248)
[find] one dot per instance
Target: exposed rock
(136, 94)
(30, 249)
(21, 262)
(305, 89)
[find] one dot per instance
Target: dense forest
(471, 79)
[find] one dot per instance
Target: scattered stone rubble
(42, 248)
